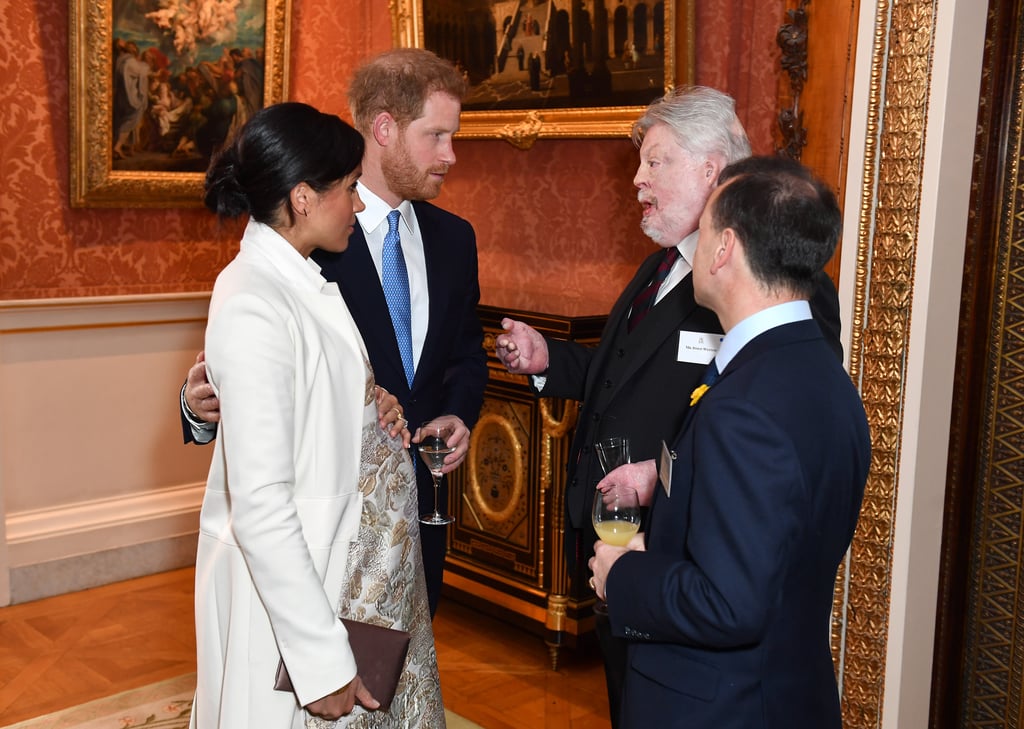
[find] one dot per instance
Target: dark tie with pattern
(644, 301)
(395, 278)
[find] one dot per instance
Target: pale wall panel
(92, 467)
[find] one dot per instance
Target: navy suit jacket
(629, 385)
(728, 610)
(452, 370)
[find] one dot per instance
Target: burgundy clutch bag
(380, 657)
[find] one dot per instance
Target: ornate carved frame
(977, 679)
(94, 182)
(792, 41)
(886, 253)
(524, 126)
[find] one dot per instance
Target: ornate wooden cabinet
(506, 552)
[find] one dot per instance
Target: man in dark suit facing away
(726, 600)
(656, 337)
(406, 103)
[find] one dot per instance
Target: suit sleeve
(186, 428)
(568, 363)
(465, 373)
(746, 512)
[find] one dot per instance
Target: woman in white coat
(310, 506)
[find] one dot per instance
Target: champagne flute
(433, 449)
(612, 453)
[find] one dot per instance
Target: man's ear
(384, 128)
(712, 169)
(725, 250)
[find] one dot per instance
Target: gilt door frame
(906, 205)
(979, 642)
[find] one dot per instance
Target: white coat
(282, 502)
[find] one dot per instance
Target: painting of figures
(160, 86)
(184, 77)
(547, 54)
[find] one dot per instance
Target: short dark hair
(787, 219)
(398, 82)
(279, 147)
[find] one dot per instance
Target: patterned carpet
(164, 705)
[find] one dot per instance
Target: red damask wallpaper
(559, 219)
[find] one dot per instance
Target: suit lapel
(436, 279)
(777, 337)
(664, 322)
(615, 326)
(334, 313)
(360, 285)
(643, 276)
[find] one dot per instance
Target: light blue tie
(395, 279)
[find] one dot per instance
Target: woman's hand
(391, 416)
(338, 703)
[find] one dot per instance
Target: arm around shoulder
(193, 429)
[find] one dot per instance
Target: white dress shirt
(681, 268)
(374, 222)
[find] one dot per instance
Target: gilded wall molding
(992, 664)
(886, 253)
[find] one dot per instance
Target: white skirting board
(66, 548)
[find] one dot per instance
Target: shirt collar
(688, 246)
(376, 210)
(756, 324)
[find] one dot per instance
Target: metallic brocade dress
(385, 585)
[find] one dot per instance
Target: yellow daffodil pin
(697, 394)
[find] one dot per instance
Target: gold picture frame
(448, 26)
(145, 170)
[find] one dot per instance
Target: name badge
(698, 347)
(665, 470)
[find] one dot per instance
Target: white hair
(702, 119)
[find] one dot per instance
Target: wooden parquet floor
(67, 650)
